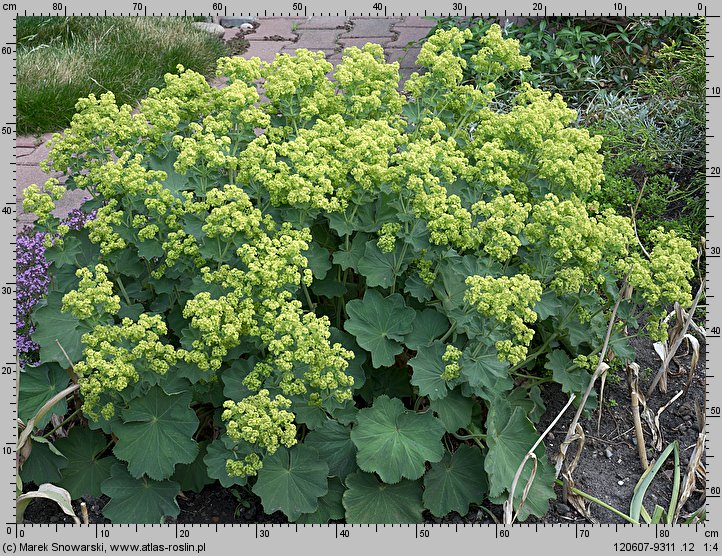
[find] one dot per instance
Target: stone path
(274, 35)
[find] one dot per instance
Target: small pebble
(563, 508)
(550, 436)
(246, 26)
(620, 483)
(608, 453)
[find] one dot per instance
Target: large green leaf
(53, 327)
(368, 500)
(510, 434)
(349, 258)
(138, 500)
(292, 481)
(218, 453)
(485, 373)
(548, 306)
(565, 372)
(44, 464)
(333, 443)
(395, 442)
(378, 267)
(318, 260)
(379, 325)
(330, 506)
(455, 482)
(157, 433)
(428, 368)
(193, 476)
(86, 469)
(37, 386)
(454, 410)
(428, 325)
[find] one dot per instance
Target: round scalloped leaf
(455, 482)
(377, 267)
(318, 260)
(330, 506)
(428, 368)
(510, 434)
(86, 470)
(454, 410)
(565, 372)
(53, 327)
(37, 386)
(157, 433)
(379, 325)
(368, 500)
(218, 453)
(395, 442)
(333, 443)
(193, 476)
(44, 464)
(292, 481)
(428, 325)
(138, 500)
(488, 376)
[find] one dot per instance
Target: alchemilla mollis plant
(342, 297)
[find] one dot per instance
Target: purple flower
(32, 281)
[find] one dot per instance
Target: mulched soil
(608, 468)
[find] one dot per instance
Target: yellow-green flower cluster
(502, 220)
(509, 300)
(387, 236)
(42, 203)
(109, 364)
(260, 421)
(497, 56)
(102, 228)
(297, 86)
(94, 295)
(246, 467)
(452, 369)
(370, 83)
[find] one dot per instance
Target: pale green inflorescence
(262, 422)
(509, 300)
(230, 190)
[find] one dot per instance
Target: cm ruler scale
(362, 539)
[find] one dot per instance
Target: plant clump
(340, 289)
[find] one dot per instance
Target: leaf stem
(69, 418)
(122, 290)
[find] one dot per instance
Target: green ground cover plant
(61, 59)
(343, 298)
(640, 83)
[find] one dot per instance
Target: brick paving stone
(327, 51)
(318, 39)
(405, 35)
(229, 34)
(277, 26)
(34, 156)
(415, 21)
(266, 50)
(371, 27)
(29, 174)
(323, 22)
(26, 141)
(405, 58)
(346, 43)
